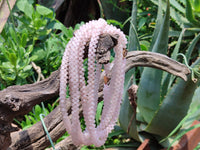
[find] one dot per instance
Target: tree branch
(156, 60)
(19, 100)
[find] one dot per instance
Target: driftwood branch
(65, 144)
(156, 60)
(35, 136)
(19, 100)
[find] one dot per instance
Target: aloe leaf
(126, 110)
(150, 83)
(168, 78)
(176, 49)
(158, 25)
(189, 13)
(193, 106)
(182, 133)
(177, 5)
(174, 107)
(133, 43)
(173, 33)
(189, 115)
(5, 9)
(177, 16)
(191, 47)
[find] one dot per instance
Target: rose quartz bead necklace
(72, 74)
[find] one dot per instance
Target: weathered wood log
(65, 144)
(19, 100)
(156, 60)
(35, 136)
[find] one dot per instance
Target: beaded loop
(87, 95)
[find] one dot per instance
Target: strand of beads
(72, 73)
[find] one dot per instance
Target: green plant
(31, 35)
(184, 12)
(33, 117)
(162, 100)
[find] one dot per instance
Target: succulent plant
(162, 99)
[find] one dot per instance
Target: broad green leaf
(99, 110)
(24, 38)
(38, 111)
(22, 75)
(13, 34)
(144, 45)
(5, 11)
(189, 13)
(196, 5)
(44, 10)
(141, 23)
(27, 126)
(27, 68)
(38, 55)
(150, 83)
(115, 23)
(59, 26)
(28, 121)
(32, 119)
(25, 7)
(8, 73)
(174, 107)
(195, 104)
(69, 32)
(13, 59)
(7, 65)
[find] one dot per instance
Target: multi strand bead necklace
(86, 95)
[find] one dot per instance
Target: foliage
(34, 116)
(162, 99)
(31, 36)
(184, 12)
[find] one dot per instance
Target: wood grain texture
(19, 100)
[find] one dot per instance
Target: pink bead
(72, 68)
